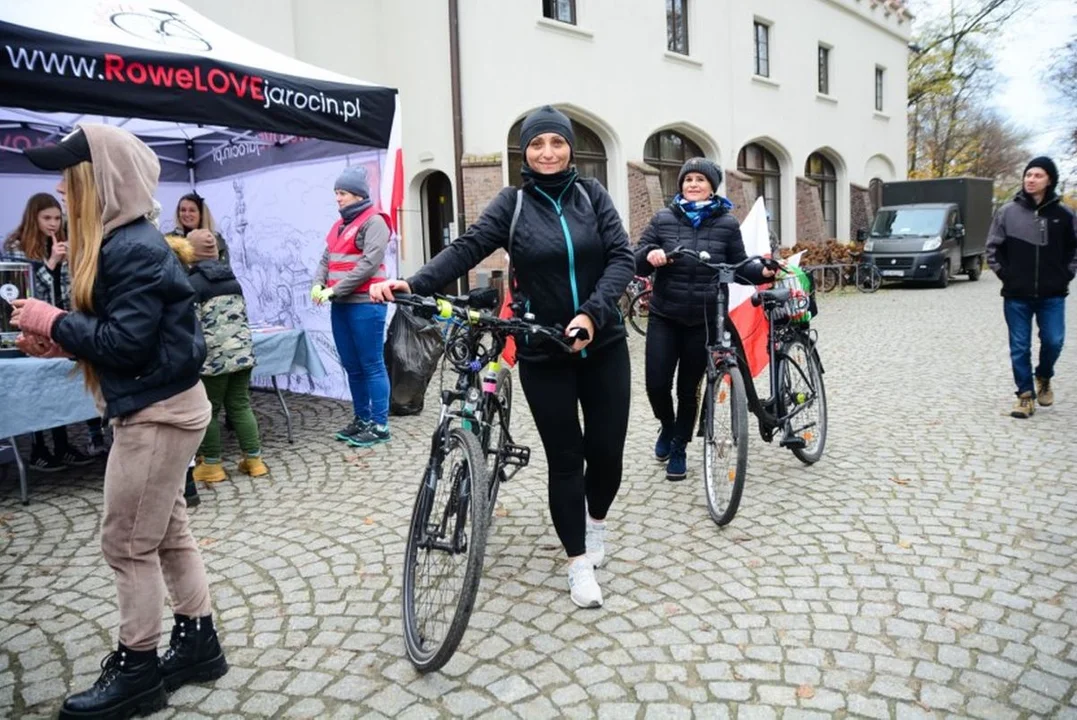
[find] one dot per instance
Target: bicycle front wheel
(868, 278)
(639, 311)
(500, 421)
(444, 554)
(725, 444)
(804, 399)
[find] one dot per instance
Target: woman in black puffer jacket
(683, 296)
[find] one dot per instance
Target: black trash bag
(412, 352)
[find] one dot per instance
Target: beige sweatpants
(144, 534)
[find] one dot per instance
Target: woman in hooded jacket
(571, 262)
(134, 333)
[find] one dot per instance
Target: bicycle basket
(801, 307)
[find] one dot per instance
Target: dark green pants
(233, 393)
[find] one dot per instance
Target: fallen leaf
(904, 544)
(207, 541)
(672, 609)
(805, 692)
(501, 511)
(368, 520)
(754, 563)
(900, 481)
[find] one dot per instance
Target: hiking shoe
(1044, 394)
(209, 472)
(47, 463)
(253, 465)
(582, 585)
(73, 457)
(677, 467)
(1024, 407)
(372, 434)
(662, 445)
(354, 428)
(596, 541)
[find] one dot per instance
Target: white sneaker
(596, 541)
(582, 585)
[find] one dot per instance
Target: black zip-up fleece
(569, 256)
(1033, 249)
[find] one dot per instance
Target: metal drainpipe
(457, 119)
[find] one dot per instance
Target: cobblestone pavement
(926, 568)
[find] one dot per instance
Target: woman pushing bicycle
(569, 263)
(683, 295)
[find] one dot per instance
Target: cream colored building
(806, 97)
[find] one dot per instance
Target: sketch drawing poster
(275, 222)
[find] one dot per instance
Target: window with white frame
(824, 69)
(762, 49)
(560, 10)
(677, 26)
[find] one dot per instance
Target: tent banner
(49, 71)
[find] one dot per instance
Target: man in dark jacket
(1032, 247)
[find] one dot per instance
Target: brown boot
(209, 472)
(1044, 393)
(1024, 407)
(253, 465)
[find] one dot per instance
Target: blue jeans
(1050, 314)
(359, 334)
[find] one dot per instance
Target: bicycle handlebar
(703, 258)
(462, 307)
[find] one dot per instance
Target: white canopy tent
(259, 134)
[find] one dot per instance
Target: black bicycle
(457, 496)
(797, 402)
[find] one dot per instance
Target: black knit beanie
(1048, 166)
(546, 119)
(708, 168)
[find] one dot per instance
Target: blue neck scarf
(699, 210)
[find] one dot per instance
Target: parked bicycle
(458, 492)
(863, 275)
(635, 303)
(796, 406)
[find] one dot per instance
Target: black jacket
(569, 257)
(1033, 250)
(143, 338)
(213, 278)
(684, 289)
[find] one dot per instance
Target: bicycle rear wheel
(444, 554)
(802, 392)
(639, 311)
(725, 444)
(826, 278)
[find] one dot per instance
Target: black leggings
(675, 347)
(555, 390)
(60, 444)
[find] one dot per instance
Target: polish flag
(751, 322)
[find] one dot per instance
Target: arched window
(589, 152)
(875, 192)
(821, 170)
(667, 151)
(763, 168)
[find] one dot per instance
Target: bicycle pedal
(793, 442)
(518, 455)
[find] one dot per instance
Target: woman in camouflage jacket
(226, 373)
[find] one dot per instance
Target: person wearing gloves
(571, 261)
(352, 261)
(132, 329)
(698, 219)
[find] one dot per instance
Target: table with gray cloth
(39, 394)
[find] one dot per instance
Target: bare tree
(950, 71)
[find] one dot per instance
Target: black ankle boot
(129, 684)
(194, 654)
(190, 490)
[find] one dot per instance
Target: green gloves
(320, 294)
